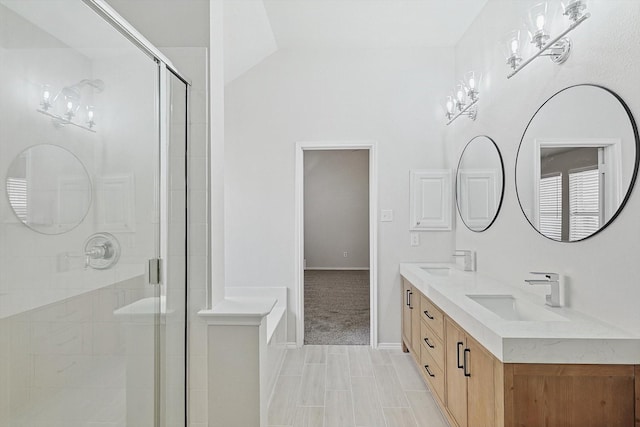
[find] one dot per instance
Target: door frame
(301, 147)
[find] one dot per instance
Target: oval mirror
(48, 189)
(479, 183)
(577, 163)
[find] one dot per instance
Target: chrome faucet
(469, 258)
(553, 279)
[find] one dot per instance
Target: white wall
(330, 95)
(602, 270)
(336, 209)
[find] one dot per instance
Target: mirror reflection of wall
(479, 183)
(576, 161)
(48, 189)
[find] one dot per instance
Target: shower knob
(101, 251)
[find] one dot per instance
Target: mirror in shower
(479, 183)
(48, 189)
(577, 163)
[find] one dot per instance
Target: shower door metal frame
(119, 23)
(165, 66)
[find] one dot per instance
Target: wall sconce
(557, 48)
(64, 107)
(465, 97)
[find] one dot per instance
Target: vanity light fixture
(557, 48)
(65, 107)
(463, 101)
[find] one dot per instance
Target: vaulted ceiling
(254, 29)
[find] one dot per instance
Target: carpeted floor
(336, 307)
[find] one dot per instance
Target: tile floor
(351, 386)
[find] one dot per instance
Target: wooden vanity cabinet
(475, 389)
(407, 289)
(470, 378)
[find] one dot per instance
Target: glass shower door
(80, 216)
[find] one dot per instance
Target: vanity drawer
(433, 374)
(432, 316)
(432, 344)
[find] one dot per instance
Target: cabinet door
(480, 386)
(415, 324)
(406, 313)
(456, 388)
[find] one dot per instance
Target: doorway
(336, 244)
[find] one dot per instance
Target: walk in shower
(93, 143)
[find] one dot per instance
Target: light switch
(415, 239)
(386, 215)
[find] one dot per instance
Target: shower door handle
(155, 269)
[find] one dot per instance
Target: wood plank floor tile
(337, 349)
(360, 361)
(401, 417)
(379, 357)
(407, 372)
(312, 387)
(283, 403)
(366, 404)
(316, 354)
(338, 411)
(293, 361)
(310, 416)
(426, 409)
(389, 387)
(338, 372)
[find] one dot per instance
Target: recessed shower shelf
(59, 120)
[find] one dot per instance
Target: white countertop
(239, 311)
(579, 339)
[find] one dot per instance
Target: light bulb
(540, 22)
(515, 44)
(46, 98)
(461, 95)
(538, 17)
(69, 106)
(450, 104)
(90, 114)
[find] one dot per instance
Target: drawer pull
(460, 344)
(426, 367)
(466, 362)
(426, 313)
(426, 341)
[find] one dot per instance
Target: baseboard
(389, 346)
(291, 345)
(338, 268)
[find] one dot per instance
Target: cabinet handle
(410, 306)
(426, 313)
(407, 299)
(458, 355)
(426, 340)
(466, 362)
(426, 367)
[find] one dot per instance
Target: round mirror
(479, 183)
(49, 189)
(577, 163)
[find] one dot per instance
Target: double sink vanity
(494, 355)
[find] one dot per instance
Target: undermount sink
(437, 271)
(515, 309)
